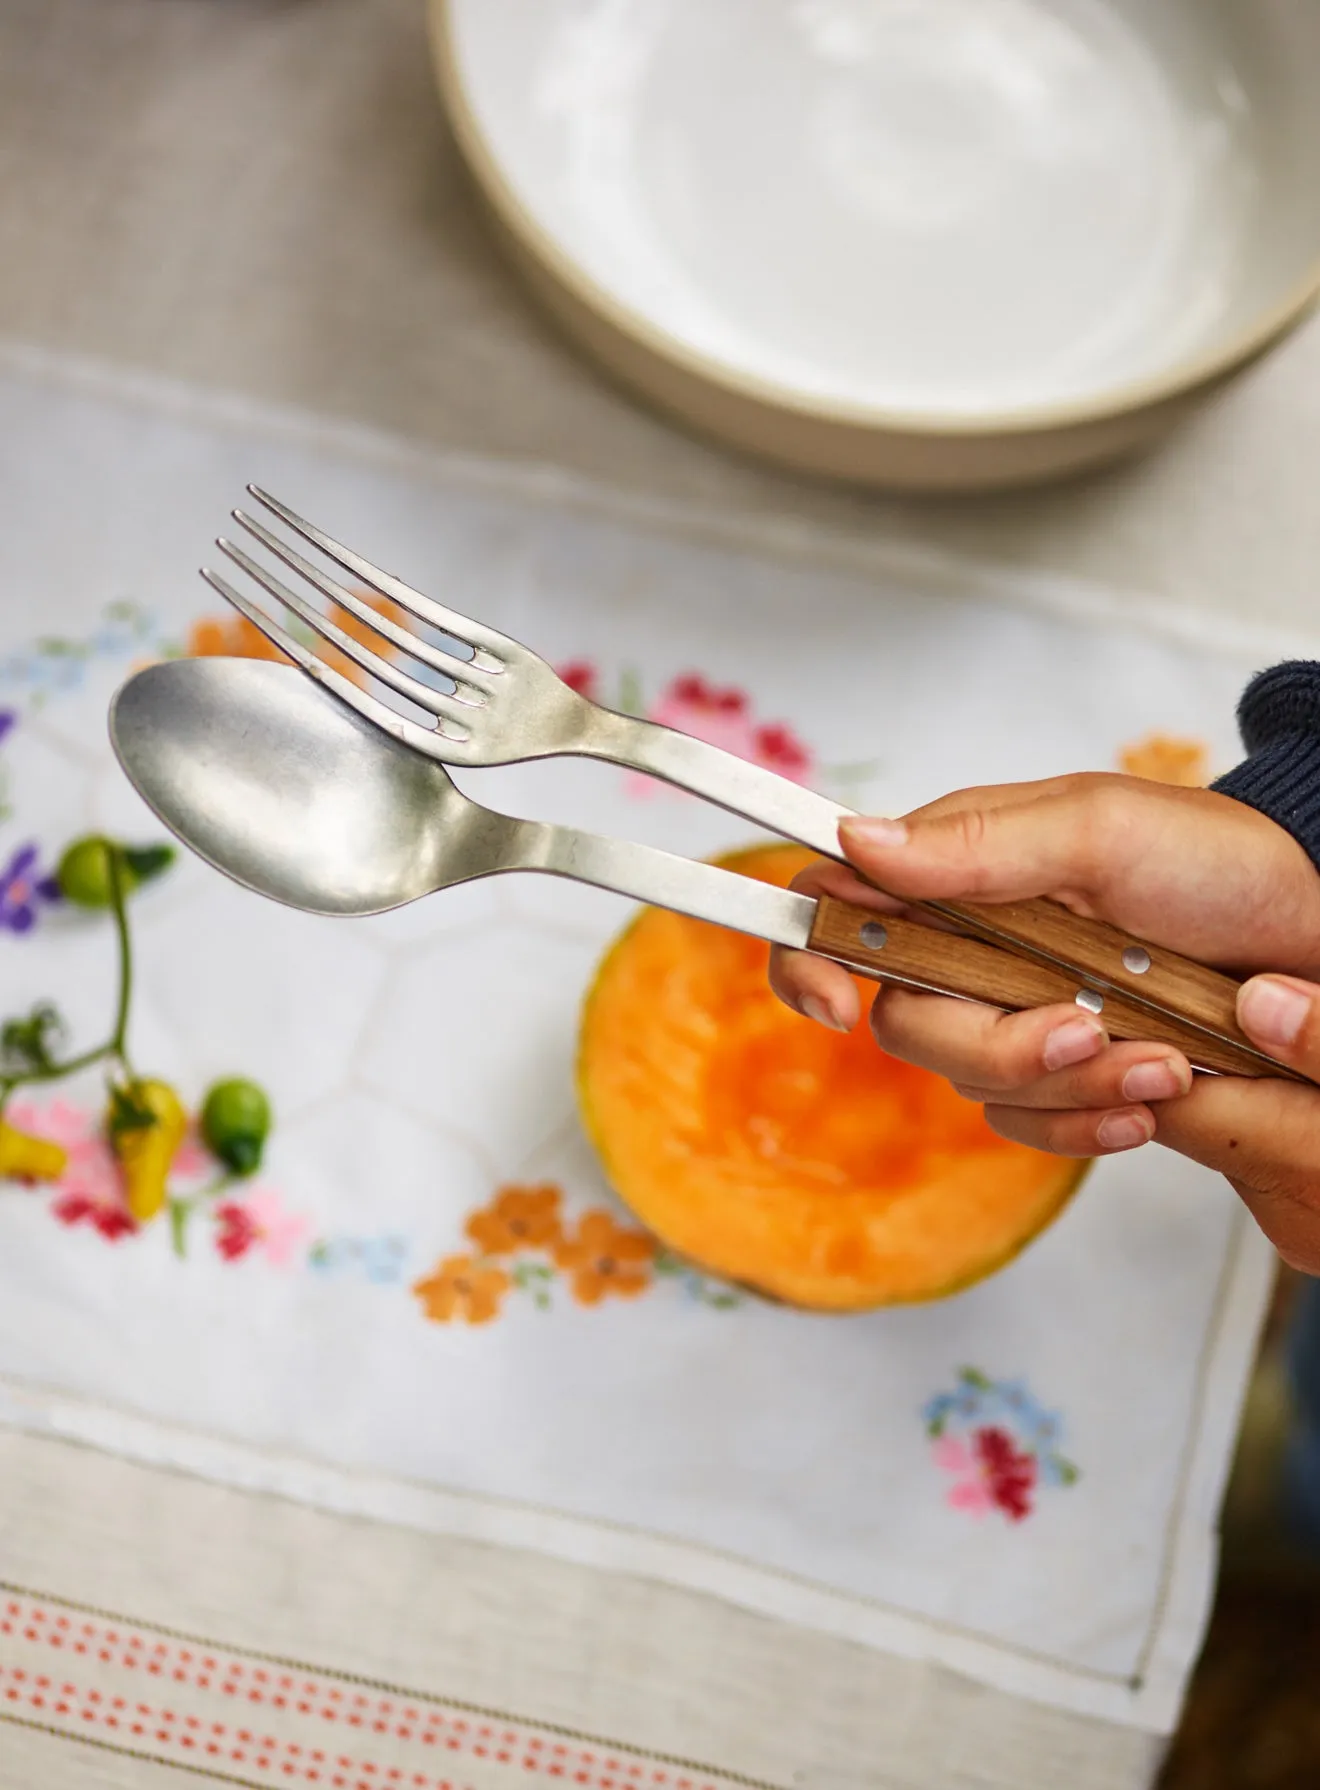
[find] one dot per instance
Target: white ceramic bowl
(911, 242)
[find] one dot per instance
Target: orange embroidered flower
(229, 637)
(461, 1290)
(605, 1257)
(1165, 759)
(517, 1218)
(235, 637)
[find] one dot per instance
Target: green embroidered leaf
(147, 861)
(972, 1376)
(1068, 1474)
(935, 1428)
(179, 1226)
(127, 1112)
(28, 1044)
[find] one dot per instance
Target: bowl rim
(1181, 378)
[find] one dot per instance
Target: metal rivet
(1093, 1002)
(1136, 960)
(874, 936)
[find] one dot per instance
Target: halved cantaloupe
(799, 1162)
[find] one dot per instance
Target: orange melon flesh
(797, 1161)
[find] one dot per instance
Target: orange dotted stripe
(222, 1675)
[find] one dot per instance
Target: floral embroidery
(229, 637)
(1164, 758)
(259, 1221)
(524, 1236)
(604, 1258)
(998, 1444)
(235, 637)
(518, 1218)
(24, 890)
(379, 1260)
(53, 665)
(722, 716)
(91, 1189)
(462, 1288)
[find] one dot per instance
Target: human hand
(1188, 869)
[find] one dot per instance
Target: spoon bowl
(292, 794)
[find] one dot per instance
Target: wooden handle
(1106, 957)
(906, 952)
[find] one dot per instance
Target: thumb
(1281, 1014)
(983, 849)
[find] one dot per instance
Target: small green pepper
(83, 873)
(236, 1124)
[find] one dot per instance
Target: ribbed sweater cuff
(1282, 780)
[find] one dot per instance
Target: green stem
(118, 1044)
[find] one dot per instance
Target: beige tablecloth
(260, 194)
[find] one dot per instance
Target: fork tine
(445, 707)
(460, 670)
(407, 732)
(487, 641)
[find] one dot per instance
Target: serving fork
(500, 703)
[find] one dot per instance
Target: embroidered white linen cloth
(833, 1472)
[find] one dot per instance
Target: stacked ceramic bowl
(912, 243)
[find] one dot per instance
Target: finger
(1265, 1136)
(1122, 1075)
(1177, 866)
(811, 985)
(1281, 1014)
(1074, 1133)
(979, 1046)
(815, 988)
(1264, 1133)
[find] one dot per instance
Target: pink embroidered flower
(990, 1473)
(778, 748)
(720, 717)
(1010, 1472)
(723, 716)
(112, 1220)
(581, 675)
(970, 1491)
(259, 1221)
(91, 1189)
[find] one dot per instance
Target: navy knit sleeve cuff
(1279, 719)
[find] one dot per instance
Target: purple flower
(22, 890)
(8, 722)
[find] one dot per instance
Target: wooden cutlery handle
(904, 951)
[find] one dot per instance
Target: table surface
(261, 195)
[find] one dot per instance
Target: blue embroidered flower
(998, 1440)
(379, 1260)
(24, 891)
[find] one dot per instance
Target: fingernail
(1124, 1131)
(1072, 1042)
(1273, 1012)
(823, 1014)
(875, 830)
(1155, 1081)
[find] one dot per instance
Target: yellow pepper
(27, 1158)
(145, 1152)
